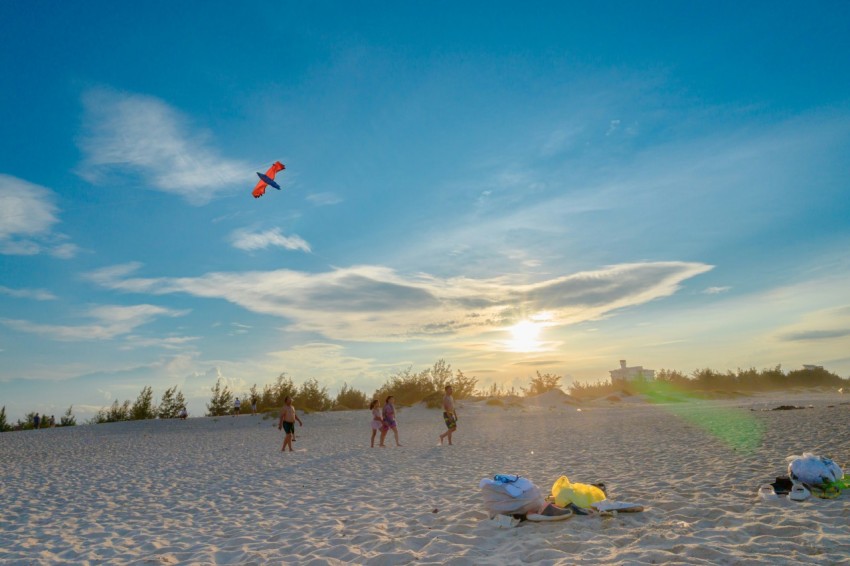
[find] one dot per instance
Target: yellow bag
(582, 494)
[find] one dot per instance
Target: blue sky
(511, 189)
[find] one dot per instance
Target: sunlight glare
(524, 336)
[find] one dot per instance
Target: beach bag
(516, 497)
(814, 470)
(581, 494)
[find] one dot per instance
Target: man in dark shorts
(449, 415)
(288, 416)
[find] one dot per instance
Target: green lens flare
(735, 427)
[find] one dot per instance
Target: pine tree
(167, 405)
(179, 401)
(221, 400)
(68, 419)
(4, 426)
(143, 408)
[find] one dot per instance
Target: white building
(625, 374)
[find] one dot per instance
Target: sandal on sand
(551, 513)
(766, 493)
(607, 506)
(799, 492)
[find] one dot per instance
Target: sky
(511, 188)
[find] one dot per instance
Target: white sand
(218, 491)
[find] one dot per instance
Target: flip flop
(767, 493)
(537, 518)
(799, 492)
(550, 513)
(607, 506)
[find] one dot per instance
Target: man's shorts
(451, 421)
(288, 428)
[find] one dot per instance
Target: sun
(524, 336)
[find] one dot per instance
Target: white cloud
(26, 209)
(365, 303)
(148, 137)
(324, 199)
(110, 321)
(169, 343)
(36, 294)
(716, 290)
(28, 215)
(249, 241)
(64, 251)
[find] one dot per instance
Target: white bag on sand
(813, 470)
(499, 500)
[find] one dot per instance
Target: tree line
(709, 380)
(28, 422)
(426, 386)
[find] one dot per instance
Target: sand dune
(219, 491)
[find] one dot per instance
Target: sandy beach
(219, 491)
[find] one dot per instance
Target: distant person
(183, 413)
(449, 415)
(36, 421)
(254, 404)
(389, 421)
(236, 406)
(288, 416)
(52, 421)
(377, 419)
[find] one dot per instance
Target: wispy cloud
(109, 321)
(36, 294)
(376, 303)
(817, 334)
(819, 325)
(144, 135)
(246, 240)
(28, 215)
(324, 199)
(716, 290)
(168, 343)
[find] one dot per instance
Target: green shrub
(274, 394)
(543, 383)
(311, 396)
(410, 388)
(68, 419)
(349, 398)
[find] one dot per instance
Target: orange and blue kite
(268, 179)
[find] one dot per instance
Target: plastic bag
(813, 470)
(581, 494)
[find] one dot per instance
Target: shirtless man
(449, 415)
(287, 423)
